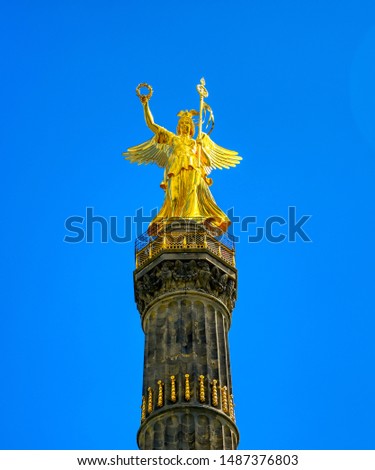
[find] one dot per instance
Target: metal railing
(180, 236)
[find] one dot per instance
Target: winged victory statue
(187, 163)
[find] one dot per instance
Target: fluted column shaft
(185, 301)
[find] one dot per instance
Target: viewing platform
(184, 235)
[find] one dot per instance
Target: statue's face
(184, 127)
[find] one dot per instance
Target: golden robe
(187, 193)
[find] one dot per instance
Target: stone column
(185, 299)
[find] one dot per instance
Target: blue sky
(292, 87)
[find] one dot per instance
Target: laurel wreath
(145, 96)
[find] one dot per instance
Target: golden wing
(216, 157)
(156, 150)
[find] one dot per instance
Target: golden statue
(187, 162)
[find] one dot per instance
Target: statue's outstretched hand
(142, 96)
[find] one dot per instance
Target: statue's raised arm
(149, 118)
(158, 148)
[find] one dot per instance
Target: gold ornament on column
(150, 405)
(173, 389)
(215, 398)
(160, 394)
(224, 399)
(202, 395)
(143, 409)
(187, 387)
(231, 408)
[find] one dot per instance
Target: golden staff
(203, 93)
